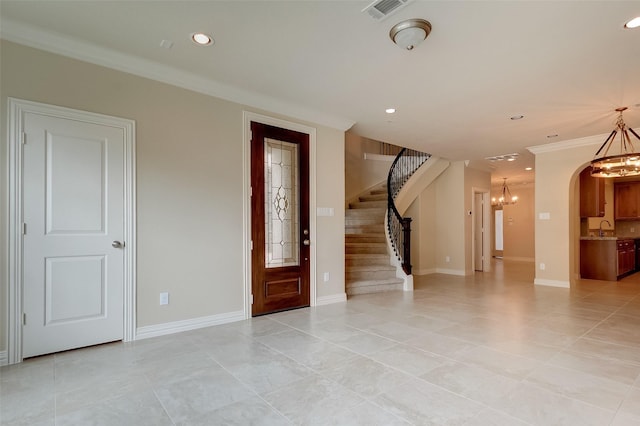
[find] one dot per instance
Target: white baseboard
(423, 271)
(451, 272)
(156, 330)
(4, 360)
(552, 283)
(334, 298)
(520, 259)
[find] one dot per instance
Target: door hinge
(251, 191)
(252, 299)
(251, 244)
(24, 228)
(24, 138)
(24, 318)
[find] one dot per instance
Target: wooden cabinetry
(626, 257)
(606, 258)
(627, 200)
(591, 195)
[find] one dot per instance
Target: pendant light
(617, 159)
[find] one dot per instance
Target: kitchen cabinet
(606, 258)
(591, 195)
(627, 201)
(626, 250)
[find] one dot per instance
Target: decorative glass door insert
(282, 236)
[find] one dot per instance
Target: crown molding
(55, 43)
(568, 144)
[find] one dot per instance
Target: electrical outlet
(164, 298)
(542, 266)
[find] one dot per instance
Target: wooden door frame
(248, 117)
(17, 108)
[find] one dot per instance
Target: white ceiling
(564, 65)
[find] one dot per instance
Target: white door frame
(486, 224)
(17, 109)
(248, 117)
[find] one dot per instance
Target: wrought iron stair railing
(403, 167)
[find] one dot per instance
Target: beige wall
(556, 192)
(423, 231)
(474, 181)
(518, 225)
(450, 220)
(361, 174)
(189, 182)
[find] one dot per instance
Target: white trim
(428, 271)
(332, 298)
(3, 358)
(570, 144)
(61, 45)
(458, 272)
(247, 118)
(17, 108)
(552, 283)
(163, 329)
(486, 224)
(519, 259)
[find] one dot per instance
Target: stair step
(366, 248)
(373, 286)
(355, 228)
(365, 259)
(378, 237)
(377, 204)
(374, 197)
(364, 221)
(376, 212)
(370, 273)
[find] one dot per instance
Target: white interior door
(73, 269)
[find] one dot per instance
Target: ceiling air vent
(381, 9)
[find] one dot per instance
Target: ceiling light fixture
(410, 33)
(202, 39)
(624, 160)
(633, 23)
(390, 110)
(528, 168)
(508, 157)
(506, 198)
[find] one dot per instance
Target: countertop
(611, 238)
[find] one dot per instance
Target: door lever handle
(117, 244)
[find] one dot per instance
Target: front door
(73, 207)
(280, 219)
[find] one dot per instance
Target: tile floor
(489, 349)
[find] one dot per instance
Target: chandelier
(623, 160)
(506, 197)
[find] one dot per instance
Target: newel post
(406, 230)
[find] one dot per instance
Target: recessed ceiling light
(528, 168)
(202, 39)
(517, 117)
(634, 23)
(555, 135)
(390, 110)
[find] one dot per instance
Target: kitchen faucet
(601, 233)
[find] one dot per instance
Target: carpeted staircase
(367, 267)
